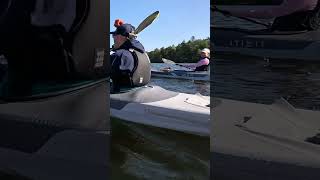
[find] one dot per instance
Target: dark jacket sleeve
(115, 60)
(119, 77)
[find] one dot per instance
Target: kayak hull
(186, 75)
(155, 106)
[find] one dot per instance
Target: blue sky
(178, 20)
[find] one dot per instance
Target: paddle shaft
(167, 61)
(183, 66)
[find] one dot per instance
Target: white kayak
(276, 140)
(155, 106)
(267, 138)
(181, 74)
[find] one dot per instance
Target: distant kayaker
(203, 63)
(130, 65)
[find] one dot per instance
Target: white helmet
(206, 50)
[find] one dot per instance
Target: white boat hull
(181, 112)
(196, 76)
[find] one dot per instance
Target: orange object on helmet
(118, 22)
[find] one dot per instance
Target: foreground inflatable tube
(257, 141)
(62, 136)
(54, 95)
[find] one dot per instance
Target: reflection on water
(144, 152)
(185, 86)
(251, 80)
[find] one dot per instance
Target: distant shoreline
(185, 52)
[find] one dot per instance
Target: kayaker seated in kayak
(130, 65)
(203, 63)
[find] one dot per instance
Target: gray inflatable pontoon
(58, 135)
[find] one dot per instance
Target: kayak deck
(155, 106)
(277, 133)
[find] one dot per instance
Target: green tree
(185, 52)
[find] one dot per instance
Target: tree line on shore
(185, 52)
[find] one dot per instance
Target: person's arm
(115, 72)
(198, 64)
(114, 63)
(202, 62)
(190, 66)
